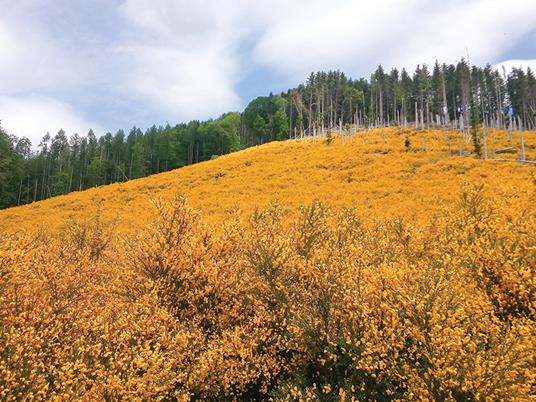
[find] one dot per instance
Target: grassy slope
(373, 174)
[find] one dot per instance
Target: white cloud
(183, 85)
(480, 30)
(343, 34)
(32, 59)
(177, 60)
(358, 35)
(34, 116)
(509, 64)
(36, 70)
(183, 55)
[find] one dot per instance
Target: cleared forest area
(386, 171)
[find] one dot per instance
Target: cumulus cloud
(342, 34)
(36, 70)
(183, 55)
(32, 59)
(139, 62)
(358, 35)
(182, 84)
(509, 64)
(33, 116)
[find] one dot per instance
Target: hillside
(231, 201)
(64, 163)
(424, 290)
(371, 171)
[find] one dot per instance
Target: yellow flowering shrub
(307, 305)
(370, 171)
(385, 274)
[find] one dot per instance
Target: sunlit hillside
(373, 171)
(232, 201)
(387, 265)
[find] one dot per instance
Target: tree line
(64, 164)
(456, 96)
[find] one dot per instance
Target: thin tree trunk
(20, 192)
(522, 147)
(485, 142)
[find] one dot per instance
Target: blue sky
(110, 64)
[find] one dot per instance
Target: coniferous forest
(455, 96)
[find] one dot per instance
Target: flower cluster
(372, 170)
(310, 304)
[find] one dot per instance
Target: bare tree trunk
(290, 119)
(28, 191)
(20, 192)
(70, 180)
(455, 109)
(416, 117)
(522, 147)
(422, 119)
(381, 106)
(427, 115)
(130, 166)
(485, 142)
(331, 122)
(35, 190)
(445, 104)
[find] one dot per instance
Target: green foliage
(332, 366)
(407, 143)
(94, 172)
(230, 122)
(476, 142)
(477, 147)
(63, 164)
(11, 172)
(260, 126)
(266, 119)
(138, 161)
(326, 100)
(280, 119)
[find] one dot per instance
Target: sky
(110, 64)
